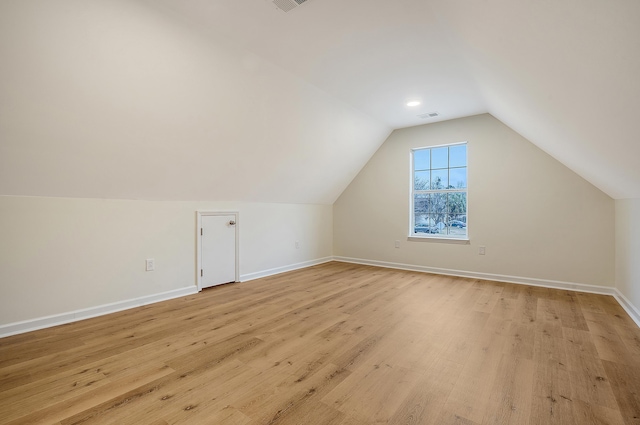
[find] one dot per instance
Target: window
(439, 192)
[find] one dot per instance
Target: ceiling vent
(428, 115)
(287, 5)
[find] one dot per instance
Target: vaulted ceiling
(565, 74)
(238, 100)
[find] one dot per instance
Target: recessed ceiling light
(413, 103)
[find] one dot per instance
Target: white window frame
(435, 237)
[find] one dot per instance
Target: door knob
(232, 223)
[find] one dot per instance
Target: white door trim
(199, 215)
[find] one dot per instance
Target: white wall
(115, 116)
(537, 218)
(59, 255)
(117, 99)
(628, 251)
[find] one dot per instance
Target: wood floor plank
(469, 397)
(189, 399)
(84, 401)
(459, 334)
(423, 405)
(548, 318)
(590, 384)
(608, 342)
(527, 306)
(624, 383)
(591, 414)
(631, 339)
(616, 313)
(335, 344)
(372, 393)
(551, 403)
(449, 418)
(488, 300)
(510, 399)
(294, 399)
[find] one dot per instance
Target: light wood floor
(335, 344)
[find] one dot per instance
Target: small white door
(217, 250)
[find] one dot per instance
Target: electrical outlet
(297, 244)
(151, 266)
(397, 244)
(481, 250)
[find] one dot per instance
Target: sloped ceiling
(237, 100)
(120, 100)
(564, 74)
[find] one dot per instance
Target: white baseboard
(74, 316)
(632, 310)
(278, 270)
(555, 284)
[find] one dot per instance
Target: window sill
(439, 239)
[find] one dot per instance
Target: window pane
(429, 225)
(458, 178)
(421, 159)
(458, 156)
(439, 171)
(438, 204)
(423, 223)
(421, 228)
(439, 179)
(457, 203)
(420, 208)
(421, 181)
(440, 157)
(457, 224)
(438, 226)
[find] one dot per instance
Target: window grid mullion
(424, 192)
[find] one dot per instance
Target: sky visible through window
(446, 164)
